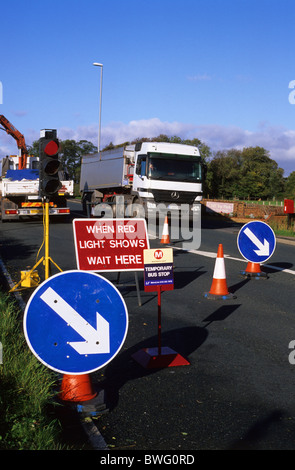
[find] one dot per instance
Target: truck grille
(178, 197)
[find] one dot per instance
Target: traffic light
(49, 164)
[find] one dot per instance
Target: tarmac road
(236, 392)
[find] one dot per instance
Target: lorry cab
(167, 173)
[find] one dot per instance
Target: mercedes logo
(175, 195)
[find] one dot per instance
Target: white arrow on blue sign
(256, 241)
(75, 322)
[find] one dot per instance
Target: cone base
(219, 288)
(250, 275)
(149, 358)
(165, 240)
(210, 296)
(76, 388)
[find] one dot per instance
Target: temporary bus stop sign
(158, 269)
(256, 241)
(75, 322)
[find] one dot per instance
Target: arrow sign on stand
(256, 241)
(263, 248)
(75, 322)
(96, 340)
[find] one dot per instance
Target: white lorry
(19, 191)
(155, 176)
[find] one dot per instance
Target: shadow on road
(221, 314)
(258, 432)
(123, 368)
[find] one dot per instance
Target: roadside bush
(26, 389)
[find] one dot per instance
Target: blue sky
(218, 70)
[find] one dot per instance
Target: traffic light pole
(46, 241)
(46, 259)
(49, 185)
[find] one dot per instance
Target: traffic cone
(165, 234)
(76, 388)
(219, 288)
(253, 271)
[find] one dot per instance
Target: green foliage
(25, 391)
(70, 155)
(290, 186)
(245, 174)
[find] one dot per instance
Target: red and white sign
(110, 244)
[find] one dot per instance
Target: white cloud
(118, 132)
(280, 142)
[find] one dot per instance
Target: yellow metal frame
(45, 259)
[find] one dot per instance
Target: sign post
(158, 276)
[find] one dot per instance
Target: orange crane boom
(21, 143)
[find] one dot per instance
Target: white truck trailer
(19, 191)
(154, 175)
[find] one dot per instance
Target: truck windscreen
(174, 167)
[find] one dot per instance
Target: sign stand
(159, 322)
(159, 357)
(131, 285)
(45, 259)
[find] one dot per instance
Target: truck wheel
(137, 210)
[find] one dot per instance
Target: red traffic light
(51, 148)
(49, 164)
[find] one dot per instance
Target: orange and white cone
(253, 271)
(165, 234)
(219, 288)
(76, 388)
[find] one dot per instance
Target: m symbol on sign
(158, 254)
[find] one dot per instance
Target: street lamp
(99, 126)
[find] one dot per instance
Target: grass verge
(27, 419)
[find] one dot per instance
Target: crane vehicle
(19, 185)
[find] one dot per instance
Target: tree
(261, 175)
(224, 172)
(290, 186)
(70, 155)
(246, 174)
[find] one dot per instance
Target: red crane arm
(21, 143)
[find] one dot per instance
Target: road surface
(237, 391)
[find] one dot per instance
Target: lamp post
(99, 125)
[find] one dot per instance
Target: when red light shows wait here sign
(110, 244)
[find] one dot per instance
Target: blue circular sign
(256, 241)
(75, 322)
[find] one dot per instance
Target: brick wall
(242, 209)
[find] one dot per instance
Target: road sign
(256, 241)
(158, 269)
(75, 322)
(110, 244)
